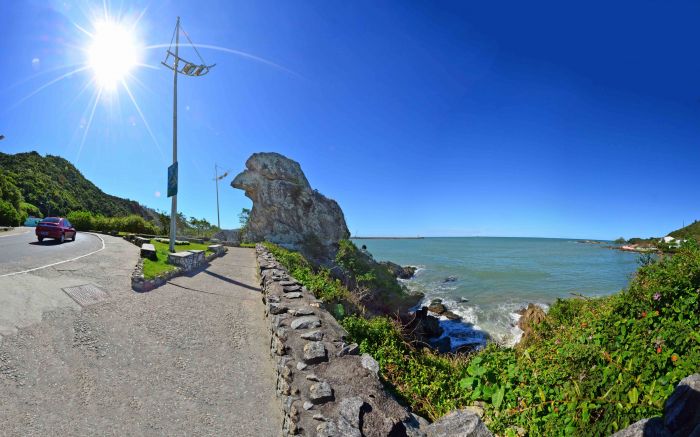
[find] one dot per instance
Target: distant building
(31, 221)
(676, 242)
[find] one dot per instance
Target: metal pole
(173, 211)
(216, 178)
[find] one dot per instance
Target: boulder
(529, 317)
(405, 272)
(287, 211)
(437, 308)
(422, 326)
(451, 315)
(442, 345)
(682, 408)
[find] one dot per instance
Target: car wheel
(73, 239)
(63, 238)
(40, 239)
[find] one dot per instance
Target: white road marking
(60, 262)
(14, 235)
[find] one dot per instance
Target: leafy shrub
(9, 216)
(85, 221)
(81, 220)
(29, 210)
(319, 282)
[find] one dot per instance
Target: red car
(55, 227)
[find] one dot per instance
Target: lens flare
(112, 53)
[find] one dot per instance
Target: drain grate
(85, 295)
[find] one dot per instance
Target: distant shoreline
(387, 238)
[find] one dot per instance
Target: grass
(151, 268)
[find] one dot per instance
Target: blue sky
(548, 119)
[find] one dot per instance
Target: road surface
(189, 358)
(21, 250)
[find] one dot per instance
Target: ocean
(492, 277)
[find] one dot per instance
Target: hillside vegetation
(52, 183)
(592, 367)
(688, 232)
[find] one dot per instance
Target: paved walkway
(189, 358)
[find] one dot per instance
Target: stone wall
(184, 262)
(326, 387)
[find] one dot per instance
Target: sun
(112, 53)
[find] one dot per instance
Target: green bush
(86, 221)
(29, 210)
(81, 220)
(319, 282)
(9, 216)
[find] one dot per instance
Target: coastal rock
(442, 345)
(422, 326)
(451, 316)
(398, 271)
(450, 279)
(529, 317)
(287, 211)
(437, 308)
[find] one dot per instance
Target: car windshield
(51, 220)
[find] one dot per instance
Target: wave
(478, 324)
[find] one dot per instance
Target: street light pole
(173, 209)
(216, 178)
(189, 69)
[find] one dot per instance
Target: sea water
(486, 280)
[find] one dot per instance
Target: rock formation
(401, 272)
(287, 211)
(529, 317)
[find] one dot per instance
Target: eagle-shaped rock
(287, 211)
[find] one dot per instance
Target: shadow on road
(48, 243)
(231, 281)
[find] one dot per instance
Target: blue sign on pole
(172, 180)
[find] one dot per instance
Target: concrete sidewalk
(189, 358)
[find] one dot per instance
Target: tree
(620, 240)
(243, 217)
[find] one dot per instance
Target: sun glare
(112, 54)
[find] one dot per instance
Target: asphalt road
(21, 251)
(189, 358)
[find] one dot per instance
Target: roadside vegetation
(318, 281)
(53, 184)
(151, 268)
(87, 221)
(592, 367)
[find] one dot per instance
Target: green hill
(688, 232)
(30, 183)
